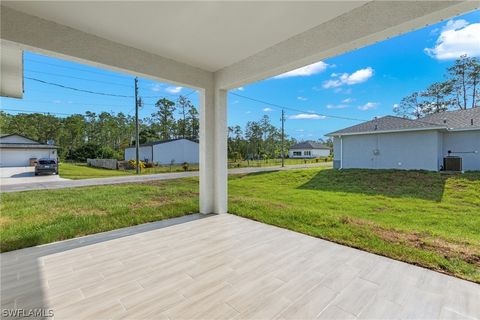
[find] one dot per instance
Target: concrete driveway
(19, 175)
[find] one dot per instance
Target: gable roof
(459, 119)
(27, 143)
(309, 145)
(450, 120)
(18, 135)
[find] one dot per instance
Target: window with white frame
(307, 153)
(297, 153)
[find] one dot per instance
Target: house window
(297, 153)
(307, 153)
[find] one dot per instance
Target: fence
(103, 163)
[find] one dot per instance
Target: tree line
(105, 134)
(258, 140)
(460, 90)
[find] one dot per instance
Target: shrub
(185, 166)
(133, 164)
(149, 165)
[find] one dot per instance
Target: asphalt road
(64, 183)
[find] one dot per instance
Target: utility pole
(283, 138)
(137, 135)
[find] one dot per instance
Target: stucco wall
(145, 153)
(315, 153)
(407, 150)
(463, 144)
(179, 151)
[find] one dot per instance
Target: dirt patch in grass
(160, 200)
(4, 221)
(422, 241)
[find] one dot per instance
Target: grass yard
(77, 171)
(428, 219)
(82, 171)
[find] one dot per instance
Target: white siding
(179, 151)
(21, 157)
(465, 143)
(314, 153)
(145, 153)
(406, 150)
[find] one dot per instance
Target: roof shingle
(459, 119)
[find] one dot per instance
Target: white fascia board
(363, 26)
(32, 33)
(464, 129)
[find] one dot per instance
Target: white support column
(213, 151)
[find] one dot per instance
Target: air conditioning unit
(452, 163)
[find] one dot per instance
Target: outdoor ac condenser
(452, 163)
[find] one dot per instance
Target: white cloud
(455, 25)
(338, 106)
(267, 109)
(356, 77)
(240, 89)
(308, 116)
(348, 100)
(457, 38)
(299, 130)
(174, 90)
(368, 106)
(395, 106)
(304, 71)
(156, 87)
(302, 98)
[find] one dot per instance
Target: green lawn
(82, 171)
(428, 219)
(77, 171)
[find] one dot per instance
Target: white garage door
(21, 157)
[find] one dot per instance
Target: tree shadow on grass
(390, 183)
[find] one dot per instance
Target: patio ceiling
(209, 35)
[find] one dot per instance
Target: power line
(294, 109)
(78, 69)
(76, 89)
(77, 78)
(96, 92)
(44, 112)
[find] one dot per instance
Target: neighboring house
(17, 150)
(398, 143)
(166, 152)
(308, 149)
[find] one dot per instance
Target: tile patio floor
(220, 267)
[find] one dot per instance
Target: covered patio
(215, 265)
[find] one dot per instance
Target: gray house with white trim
(423, 144)
(309, 149)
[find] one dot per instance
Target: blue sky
(360, 84)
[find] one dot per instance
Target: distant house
(20, 151)
(435, 142)
(166, 151)
(309, 149)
